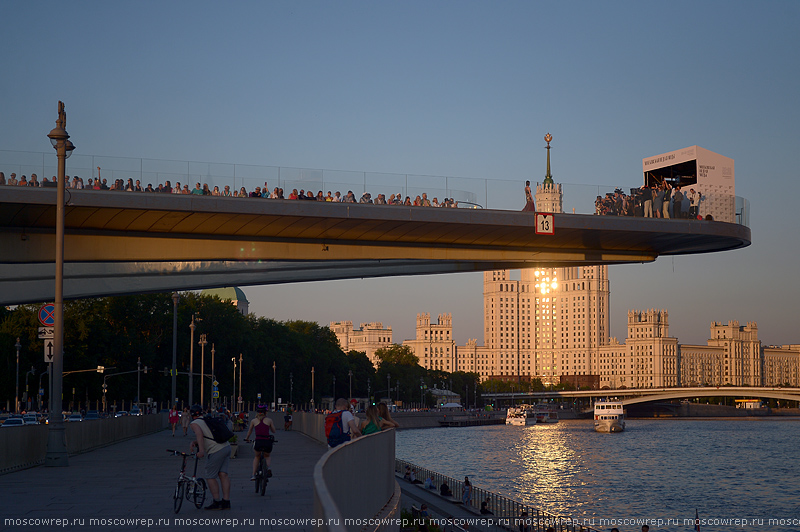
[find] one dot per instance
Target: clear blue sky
(442, 88)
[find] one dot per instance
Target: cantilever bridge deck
(203, 241)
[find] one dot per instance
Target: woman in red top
(174, 417)
(264, 428)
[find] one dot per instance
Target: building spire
(548, 179)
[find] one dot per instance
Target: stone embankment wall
(26, 446)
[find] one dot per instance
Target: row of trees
(115, 332)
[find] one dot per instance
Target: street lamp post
(334, 389)
(39, 390)
(27, 392)
(397, 392)
(191, 363)
(56, 455)
(202, 343)
(233, 392)
(274, 391)
(16, 391)
(350, 374)
(138, 383)
(174, 373)
(241, 402)
(389, 387)
(312, 388)
(213, 379)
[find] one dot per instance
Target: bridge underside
(117, 243)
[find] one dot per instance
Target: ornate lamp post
(56, 455)
(174, 372)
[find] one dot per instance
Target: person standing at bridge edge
(219, 455)
(530, 206)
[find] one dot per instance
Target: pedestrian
(466, 495)
(218, 456)
(186, 418)
(174, 417)
(530, 206)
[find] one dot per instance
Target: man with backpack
(340, 425)
(219, 455)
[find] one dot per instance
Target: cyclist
(264, 428)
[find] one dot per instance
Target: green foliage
(117, 331)
(396, 354)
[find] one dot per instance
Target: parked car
(30, 419)
(13, 422)
(121, 413)
(91, 414)
(74, 417)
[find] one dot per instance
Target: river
(725, 469)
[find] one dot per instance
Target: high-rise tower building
(552, 321)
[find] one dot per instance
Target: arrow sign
(48, 351)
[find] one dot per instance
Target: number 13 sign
(544, 224)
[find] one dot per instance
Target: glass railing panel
(503, 194)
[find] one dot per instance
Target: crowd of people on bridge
(264, 192)
(659, 200)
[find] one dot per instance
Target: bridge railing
(503, 509)
(503, 194)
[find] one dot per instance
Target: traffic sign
(215, 395)
(215, 383)
(46, 333)
(47, 315)
(48, 351)
(544, 224)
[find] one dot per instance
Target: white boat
(609, 416)
(545, 414)
(521, 415)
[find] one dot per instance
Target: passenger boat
(609, 416)
(545, 414)
(521, 415)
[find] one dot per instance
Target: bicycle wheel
(178, 496)
(264, 480)
(199, 493)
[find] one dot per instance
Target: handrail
(484, 193)
(500, 506)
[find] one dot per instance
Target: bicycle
(262, 479)
(193, 488)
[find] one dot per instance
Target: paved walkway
(135, 479)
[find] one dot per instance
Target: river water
(725, 469)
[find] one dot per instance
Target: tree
(397, 354)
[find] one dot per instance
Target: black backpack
(219, 429)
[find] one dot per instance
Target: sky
(442, 88)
